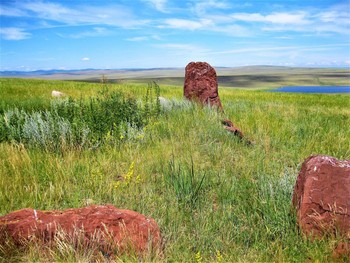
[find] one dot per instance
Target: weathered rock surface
(322, 196)
(228, 125)
(201, 84)
(113, 229)
(341, 250)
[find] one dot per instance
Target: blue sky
(111, 34)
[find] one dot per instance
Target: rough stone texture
(341, 250)
(112, 228)
(201, 84)
(228, 125)
(322, 196)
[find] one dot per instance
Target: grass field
(242, 210)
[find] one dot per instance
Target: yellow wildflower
(199, 257)
(130, 173)
(218, 256)
(117, 184)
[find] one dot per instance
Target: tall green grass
(215, 198)
(75, 124)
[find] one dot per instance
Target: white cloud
(233, 30)
(335, 20)
(156, 37)
(298, 18)
(283, 37)
(327, 21)
(182, 48)
(177, 46)
(208, 25)
(10, 11)
(51, 11)
(85, 59)
(338, 14)
(187, 24)
(252, 50)
(207, 16)
(94, 32)
(113, 15)
(250, 24)
(137, 39)
(13, 33)
(143, 38)
(286, 18)
(282, 48)
(314, 29)
(201, 7)
(158, 4)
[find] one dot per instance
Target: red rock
(341, 250)
(201, 84)
(114, 229)
(228, 125)
(322, 196)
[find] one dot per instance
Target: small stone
(228, 125)
(56, 93)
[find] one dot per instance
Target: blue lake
(314, 89)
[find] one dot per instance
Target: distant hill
(76, 72)
(244, 77)
(39, 72)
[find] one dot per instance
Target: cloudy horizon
(114, 34)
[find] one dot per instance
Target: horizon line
(165, 68)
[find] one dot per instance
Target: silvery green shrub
(71, 123)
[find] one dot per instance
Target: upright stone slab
(201, 84)
(110, 228)
(322, 196)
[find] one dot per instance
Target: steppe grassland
(214, 197)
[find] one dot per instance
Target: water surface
(314, 89)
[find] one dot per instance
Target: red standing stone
(201, 84)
